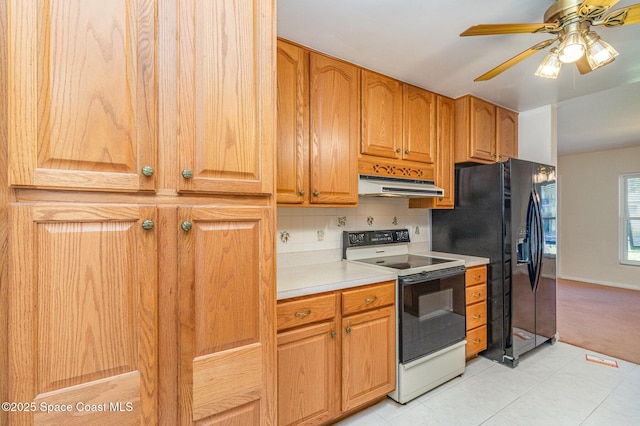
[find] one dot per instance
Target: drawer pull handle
(477, 294)
(369, 300)
(303, 314)
(477, 316)
(477, 277)
(477, 341)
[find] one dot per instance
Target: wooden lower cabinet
(82, 314)
(476, 299)
(307, 375)
(333, 359)
(368, 357)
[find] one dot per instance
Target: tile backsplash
(320, 228)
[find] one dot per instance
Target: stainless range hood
(386, 186)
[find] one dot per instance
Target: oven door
(433, 312)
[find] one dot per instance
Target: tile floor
(552, 385)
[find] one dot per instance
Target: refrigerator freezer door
(523, 315)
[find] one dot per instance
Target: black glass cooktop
(404, 261)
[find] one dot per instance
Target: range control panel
(371, 238)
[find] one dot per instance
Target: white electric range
(430, 309)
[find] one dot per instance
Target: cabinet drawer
(476, 275)
(476, 315)
(306, 311)
(476, 293)
(476, 341)
(370, 297)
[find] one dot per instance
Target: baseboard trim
(605, 283)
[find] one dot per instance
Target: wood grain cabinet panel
(225, 294)
(226, 96)
(307, 374)
(83, 78)
(485, 133)
(381, 105)
(335, 130)
(82, 312)
(368, 356)
(326, 372)
(476, 296)
(419, 129)
(506, 134)
(292, 153)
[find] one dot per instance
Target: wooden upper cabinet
(83, 94)
(226, 99)
(506, 134)
(482, 128)
(226, 313)
(82, 313)
(485, 133)
(292, 151)
(381, 116)
(335, 130)
(419, 125)
(445, 170)
(398, 120)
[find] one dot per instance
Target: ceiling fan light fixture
(599, 52)
(550, 66)
(572, 47)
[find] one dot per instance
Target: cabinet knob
(348, 330)
(333, 334)
(187, 173)
(301, 192)
(406, 151)
(186, 226)
(316, 193)
(147, 171)
(494, 155)
(398, 150)
(147, 225)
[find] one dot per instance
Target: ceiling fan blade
(595, 8)
(583, 65)
(624, 16)
(516, 59)
(491, 29)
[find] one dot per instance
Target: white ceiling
(418, 41)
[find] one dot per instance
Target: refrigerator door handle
(539, 240)
(530, 240)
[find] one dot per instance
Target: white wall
(588, 217)
(537, 135)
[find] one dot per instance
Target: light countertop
(294, 281)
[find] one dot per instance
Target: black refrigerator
(507, 213)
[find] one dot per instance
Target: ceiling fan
(570, 21)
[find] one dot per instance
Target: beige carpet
(600, 318)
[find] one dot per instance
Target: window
(630, 219)
(548, 208)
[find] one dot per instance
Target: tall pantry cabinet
(137, 253)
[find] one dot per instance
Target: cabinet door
(307, 375)
(368, 356)
(381, 116)
(419, 125)
(82, 314)
(226, 96)
(507, 134)
(445, 159)
(292, 153)
(483, 130)
(82, 84)
(334, 95)
(226, 312)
